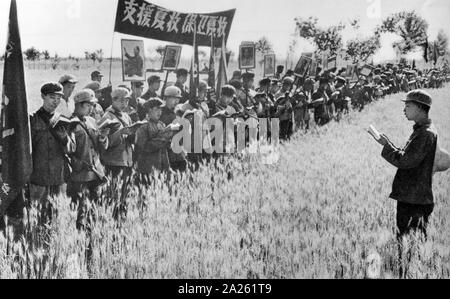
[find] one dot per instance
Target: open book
(173, 127)
(374, 132)
(110, 124)
(134, 127)
(60, 121)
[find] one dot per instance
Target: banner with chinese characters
(140, 18)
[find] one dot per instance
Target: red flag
(16, 166)
(222, 76)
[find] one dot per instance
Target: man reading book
(412, 187)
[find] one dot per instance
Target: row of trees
(409, 26)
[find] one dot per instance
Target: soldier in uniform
(66, 107)
(154, 84)
(285, 110)
(51, 143)
(279, 73)
(152, 142)
(96, 109)
(97, 76)
(224, 111)
(118, 157)
(247, 94)
(197, 107)
(87, 171)
(182, 75)
(172, 96)
(323, 107)
(360, 93)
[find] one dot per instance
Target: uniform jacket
(120, 148)
(413, 181)
(167, 117)
(50, 165)
(151, 148)
(87, 153)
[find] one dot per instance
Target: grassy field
(321, 211)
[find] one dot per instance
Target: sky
(75, 26)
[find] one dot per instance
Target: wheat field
(321, 211)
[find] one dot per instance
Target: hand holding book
(379, 137)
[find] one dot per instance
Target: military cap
(137, 84)
(236, 84)
(203, 85)
(52, 88)
(237, 74)
(96, 74)
(228, 91)
(419, 96)
(289, 73)
(288, 80)
(172, 92)
(182, 72)
(94, 86)
(68, 79)
(152, 103)
(248, 76)
(264, 82)
(154, 79)
(121, 91)
(85, 96)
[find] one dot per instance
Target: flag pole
(111, 57)
(165, 84)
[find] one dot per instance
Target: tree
(32, 54)
(327, 40)
(409, 26)
(87, 55)
(360, 50)
(442, 43)
(46, 55)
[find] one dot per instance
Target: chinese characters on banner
(140, 18)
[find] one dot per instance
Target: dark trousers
(412, 218)
(285, 129)
(86, 195)
(121, 180)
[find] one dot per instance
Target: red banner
(143, 19)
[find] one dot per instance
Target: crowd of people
(82, 140)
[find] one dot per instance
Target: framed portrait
(247, 57)
(302, 66)
(269, 65)
(351, 71)
(133, 60)
(366, 70)
(171, 58)
(313, 68)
